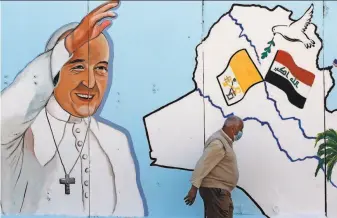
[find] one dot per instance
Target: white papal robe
(105, 176)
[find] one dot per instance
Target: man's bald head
(233, 121)
(232, 126)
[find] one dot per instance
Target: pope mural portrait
(55, 155)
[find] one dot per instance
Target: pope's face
(83, 79)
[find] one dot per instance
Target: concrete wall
(169, 63)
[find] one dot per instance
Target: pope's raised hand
(90, 28)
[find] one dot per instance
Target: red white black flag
(292, 79)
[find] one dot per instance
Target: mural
(107, 106)
(275, 94)
(47, 126)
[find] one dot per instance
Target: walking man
(216, 173)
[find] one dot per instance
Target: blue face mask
(238, 136)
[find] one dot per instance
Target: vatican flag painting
(240, 74)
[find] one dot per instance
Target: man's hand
(190, 198)
(89, 28)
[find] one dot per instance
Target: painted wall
(169, 61)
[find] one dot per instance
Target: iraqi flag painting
(290, 78)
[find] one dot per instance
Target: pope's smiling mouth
(85, 97)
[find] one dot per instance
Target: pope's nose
(90, 80)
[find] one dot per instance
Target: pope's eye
(101, 69)
(78, 67)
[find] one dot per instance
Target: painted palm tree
(327, 151)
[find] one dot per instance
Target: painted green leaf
(267, 49)
(319, 137)
(330, 166)
(327, 150)
(319, 166)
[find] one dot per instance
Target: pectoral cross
(66, 182)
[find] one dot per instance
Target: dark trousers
(218, 202)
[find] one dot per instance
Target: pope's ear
(56, 79)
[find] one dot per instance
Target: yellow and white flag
(240, 74)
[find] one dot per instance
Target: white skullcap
(58, 33)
